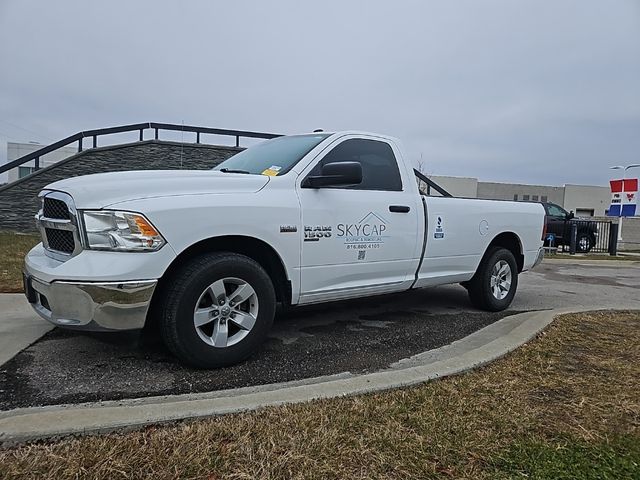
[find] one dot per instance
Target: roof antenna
(317, 130)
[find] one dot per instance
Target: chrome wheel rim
(226, 312)
(501, 280)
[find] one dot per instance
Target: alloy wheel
(500, 279)
(225, 312)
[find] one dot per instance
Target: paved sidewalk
(20, 326)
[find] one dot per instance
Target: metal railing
(140, 127)
(584, 236)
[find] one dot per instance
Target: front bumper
(103, 306)
(94, 290)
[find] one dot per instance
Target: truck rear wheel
(217, 310)
(495, 282)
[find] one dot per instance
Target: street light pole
(624, 174)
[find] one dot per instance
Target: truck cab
(559, 228)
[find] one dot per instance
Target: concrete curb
(479, 348)
(585, 260)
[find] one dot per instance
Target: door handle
(399, 208)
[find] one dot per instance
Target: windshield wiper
(231, 170)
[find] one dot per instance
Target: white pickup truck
(205, 256)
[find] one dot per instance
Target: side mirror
(334, 174)
(570, 215)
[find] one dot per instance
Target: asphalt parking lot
(356, 336)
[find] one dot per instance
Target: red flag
(630, 185)
(616, 186)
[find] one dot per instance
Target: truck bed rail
(431, 184)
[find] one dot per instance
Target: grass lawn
(567, 405)
(13, 248)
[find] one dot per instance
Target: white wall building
(16, 150)
(457, 186)
(584, 200)
(587, 201)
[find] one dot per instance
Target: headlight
(112, 230)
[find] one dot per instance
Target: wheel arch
(511, 242)
(252, 247)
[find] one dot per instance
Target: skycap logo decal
(369, 233)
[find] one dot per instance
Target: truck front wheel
(217, 310)
(495, 282)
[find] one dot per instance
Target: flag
(624, 197)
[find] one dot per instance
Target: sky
(540, 92)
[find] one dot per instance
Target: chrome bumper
(91, 306)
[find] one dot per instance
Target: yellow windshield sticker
(272, 171)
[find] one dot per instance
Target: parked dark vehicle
(559, 229)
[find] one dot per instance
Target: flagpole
(620, 226)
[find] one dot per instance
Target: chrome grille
(53, 208)
(60, 240)
(58, 224)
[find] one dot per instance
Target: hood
(104, 189)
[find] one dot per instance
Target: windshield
(272, 157)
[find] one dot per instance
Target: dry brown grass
(576, 385)
(13, 248)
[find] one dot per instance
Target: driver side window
(556, 211)
(379, 165)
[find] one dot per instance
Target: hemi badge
(288, 228)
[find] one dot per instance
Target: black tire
(480, 288)
(182, 293)
(584, 242)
